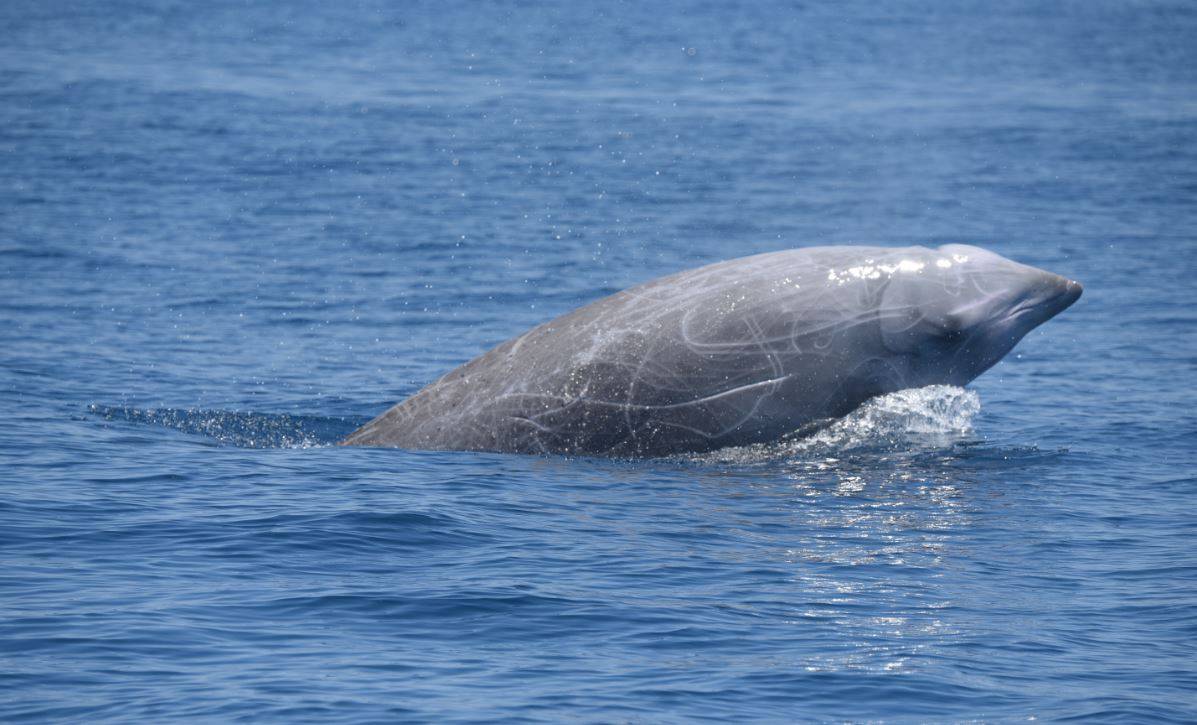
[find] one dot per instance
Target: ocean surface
(230, 232)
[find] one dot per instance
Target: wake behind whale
(236, 428)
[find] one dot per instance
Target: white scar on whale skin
(735, 353)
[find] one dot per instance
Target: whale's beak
(1044, 296)
(1065, 292)
(1073, 290)
(1004, 301)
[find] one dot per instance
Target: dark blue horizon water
(230, 232)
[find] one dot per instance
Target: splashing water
(934, 416)
(917, 419)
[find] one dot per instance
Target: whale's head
(955, 311)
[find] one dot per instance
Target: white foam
(917, 419)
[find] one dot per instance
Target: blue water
(231, 232)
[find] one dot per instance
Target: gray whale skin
(743, 351)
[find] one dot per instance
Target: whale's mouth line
(1055, 303)
(1023, 310)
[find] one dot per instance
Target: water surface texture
(232, 232)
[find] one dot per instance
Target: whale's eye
(952, 325)
(960, 322)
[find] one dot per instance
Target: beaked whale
(743, 351)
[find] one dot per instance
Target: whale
(744, 351)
